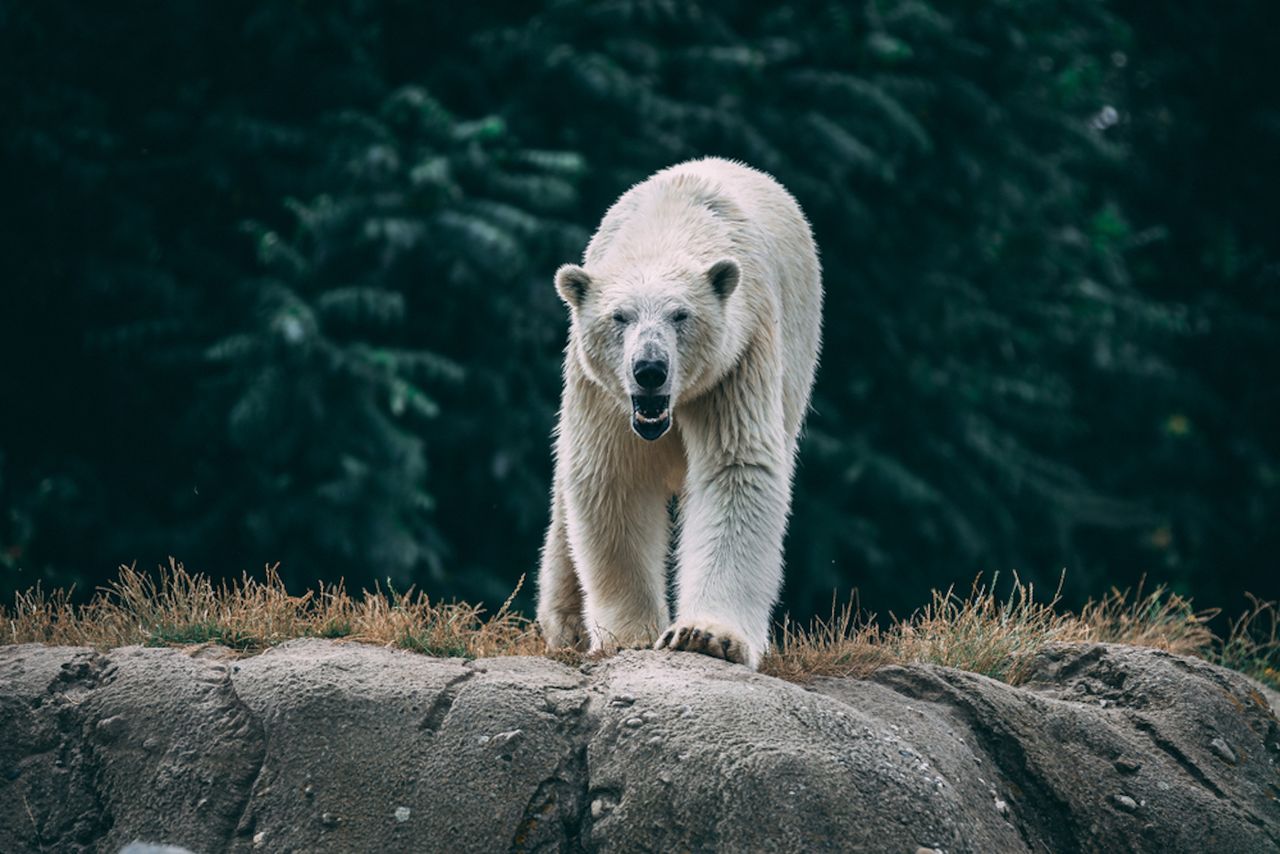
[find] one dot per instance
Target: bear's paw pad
(707, 637)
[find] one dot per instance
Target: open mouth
(650, 415)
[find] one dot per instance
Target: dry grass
(1252, 644)
(178, 608)
(984, 634)
(978, 632)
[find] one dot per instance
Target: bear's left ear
(723, 276)
(572, 283)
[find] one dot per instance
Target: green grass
(187, 634)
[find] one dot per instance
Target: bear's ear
(572, 282)
(723, 276)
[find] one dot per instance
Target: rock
(1125, 803)
(376, 729)
(152, 848)
(1271, 695)
(136, 744)
(325, 746)
(1223, 751)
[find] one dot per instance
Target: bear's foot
(565, 632)
(706, 636)
(609, 641)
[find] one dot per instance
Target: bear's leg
(559, 594)
(730, 561)
(733, 517)
(620, 530)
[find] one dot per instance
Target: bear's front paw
(707, 636)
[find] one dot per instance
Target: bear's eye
(619, 318)
(679, 316)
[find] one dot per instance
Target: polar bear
(695, 322)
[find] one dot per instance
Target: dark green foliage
(278, 277)
(1205, 115)
(241, 305)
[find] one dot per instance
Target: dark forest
(276, 281)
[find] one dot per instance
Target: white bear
(694, 336)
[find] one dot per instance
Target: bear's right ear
(724, 276)
(572, 282)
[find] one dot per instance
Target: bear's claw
(706, 637)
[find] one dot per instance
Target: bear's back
(774, 234)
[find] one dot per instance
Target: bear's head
(649, 337)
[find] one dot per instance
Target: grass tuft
(979, 632)
(1252, 645)
(178, 608)
(985, 634)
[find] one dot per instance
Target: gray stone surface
(324, 746)
(1272, 695)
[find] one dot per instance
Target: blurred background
(275, 280)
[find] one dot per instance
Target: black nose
(650, 375)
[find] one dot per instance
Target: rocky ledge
(324, 746)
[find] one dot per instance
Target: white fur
(741, 368)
